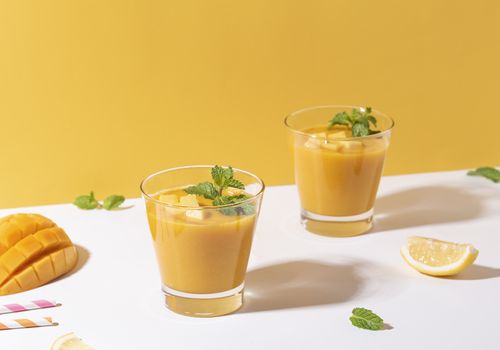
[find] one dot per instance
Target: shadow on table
(299, 284)
(477, 272)
(425, 206)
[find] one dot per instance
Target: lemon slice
(438, 258)
(70, 342)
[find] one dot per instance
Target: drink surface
(335, 175)
(200, 250)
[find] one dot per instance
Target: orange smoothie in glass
(204, 253)
(202, 231)
(338, 159)
(338, 177)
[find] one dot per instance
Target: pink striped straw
(32, 305)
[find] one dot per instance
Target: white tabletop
(301, 288)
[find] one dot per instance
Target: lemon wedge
(70, 342)
(438, 258)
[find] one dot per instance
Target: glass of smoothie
(339, 154)
(202, 219)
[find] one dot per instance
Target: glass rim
(206, 207)
(307, 109)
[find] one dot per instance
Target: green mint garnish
(223, 178)
(89, 202)
(86, 202)
(366, 319)
(205, 189)
(244, 209)
(358, 121)
(113, 202)
(487, 172)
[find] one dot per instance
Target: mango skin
(33, 252)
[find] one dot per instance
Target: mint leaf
(372, 120)
(113, 202)
(243, 209)
(359, 121)
(86, 202)
(366, 319)
(205, 189)
(223, 178)
(341, 118)
(218, 175)
(359, 130)
(235, 184)
(490, 173)
(224, 200)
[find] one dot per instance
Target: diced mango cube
(59, 262)
(169, 198)
(29, 246)
(44, 269)
(314, 142)
(11, 234)
(337, 135)
(231, 191)
(189, 201)
(27, 278)
(10, 287)
(11, 260)
(195, 214)
(332, 146)
(351, 146)
(71, 256)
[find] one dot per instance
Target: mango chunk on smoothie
(33, 252)
(338, 135)
(191, 201)
(351, 146)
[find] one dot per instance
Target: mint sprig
(113, 202)
(244, 209)
(359, 121)
(205, 189)
(487, 172)
(366, 319)
(89, 202)
(222, 179)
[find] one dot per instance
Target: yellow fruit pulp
(199, 250)
(335, 176)
(33, 251)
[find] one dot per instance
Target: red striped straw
(32, 305)
(26, 323)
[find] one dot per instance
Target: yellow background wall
(98, 94)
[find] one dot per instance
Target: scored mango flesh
(33, 252)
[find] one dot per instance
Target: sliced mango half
(33, 252)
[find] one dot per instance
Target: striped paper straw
(32, 305)
(26, 323)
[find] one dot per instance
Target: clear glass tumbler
(337, 178)
(202, 252)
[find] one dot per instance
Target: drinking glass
(202, 252)
(337, 178)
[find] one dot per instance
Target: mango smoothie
(200, 254)
(338, 177)
(202, 231)
(339, 154)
